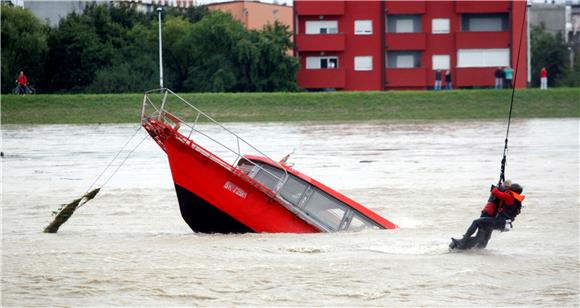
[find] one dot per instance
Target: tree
(137, 68)
(572, 77)
(81, 45)
(113, 48)
(211, 44)
(228, 57)
(549, 51)
(24, 46)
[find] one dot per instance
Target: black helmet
(517, 188)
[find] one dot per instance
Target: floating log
(67, 210)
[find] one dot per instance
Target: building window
(313, 63)
(363, 63)
(363, 27)
(440, 25)
(403, 23)
(483, 57)
(484, 22)
(322, 27)
(404, 59)
(441, 62)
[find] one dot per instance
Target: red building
(383, 45)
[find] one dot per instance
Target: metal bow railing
(189, 130)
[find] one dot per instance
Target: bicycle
(28, 89)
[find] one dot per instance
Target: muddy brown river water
(129, 247)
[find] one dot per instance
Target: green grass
(334, 106)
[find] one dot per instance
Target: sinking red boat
(251, 194)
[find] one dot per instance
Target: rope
(124, 160)
(505, 149)
(113, 160)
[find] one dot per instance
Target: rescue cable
(504, 158)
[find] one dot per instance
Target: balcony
(482, 6)
(406, 77)
(405, 41)
(485, 40)
(475, 77)
(322, 78)
(405, 7)
(320, 42)
(319, 7)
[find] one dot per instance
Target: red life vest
(510, 211)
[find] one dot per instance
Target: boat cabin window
(319, 205)
(269, 176)
(293, 190)
(325, 209)
(246, 166)
(359, 223)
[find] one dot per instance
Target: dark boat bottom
(203, 217)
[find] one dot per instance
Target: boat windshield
(266, 175)
(328, 211)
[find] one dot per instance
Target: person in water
(500, 211)
(489, 210)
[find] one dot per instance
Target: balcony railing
(475, 77)
(406, 77)
(319, 7)
(320, 42)
(405, 41)
(405, 7)
(322, 78)
(482, 6)
(482, 40)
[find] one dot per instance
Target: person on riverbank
(448, 82)
(544, 79)
(498, 214)
(499, 78)
(509, 75)
(437, 80)
(22, 83)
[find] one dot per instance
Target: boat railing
(194, 123)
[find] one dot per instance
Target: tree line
(114, 48)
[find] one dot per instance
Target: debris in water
(66, 211)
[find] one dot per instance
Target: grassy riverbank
(336, 106)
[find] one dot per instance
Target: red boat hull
(213, 198)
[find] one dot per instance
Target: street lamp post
(159, 10)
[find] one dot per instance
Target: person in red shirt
(544, 79)
(495, 216)
(22, 83)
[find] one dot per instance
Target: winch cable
(66, 210)
(505, 148)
